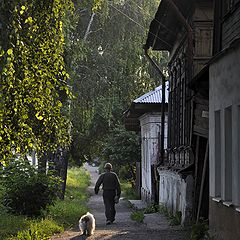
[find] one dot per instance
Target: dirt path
(155, 226)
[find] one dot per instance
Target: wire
(139, 25)
(163, 25)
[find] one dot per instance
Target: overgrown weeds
(174, 219)
(137, 216)
(152, 208)
(199, 231)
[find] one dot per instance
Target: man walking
(111, 191)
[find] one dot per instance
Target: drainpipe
(154, 64)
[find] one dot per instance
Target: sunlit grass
(38, 230)
(67, 212)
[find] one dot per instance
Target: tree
(33, 92)
(123, 149)
(111, 70)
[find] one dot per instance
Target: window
(218, 158)
(237, 159)
(227, 161)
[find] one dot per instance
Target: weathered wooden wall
(231, 25)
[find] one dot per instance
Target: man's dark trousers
(108, 199)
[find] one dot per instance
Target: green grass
(38, 230)
(62, 215)
(10, 225)
(67, 212)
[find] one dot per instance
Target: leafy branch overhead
(33, 89)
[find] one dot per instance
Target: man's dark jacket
(109, 181)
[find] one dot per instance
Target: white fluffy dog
(87, 224)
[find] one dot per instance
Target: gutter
(154, 64)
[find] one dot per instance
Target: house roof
(166, 24)
(154, 96)
(149, 102)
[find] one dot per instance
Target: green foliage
(152, 208)
(10, 224)
(63, 213)
(175, 219)
(163, 210)
(26, 191)
(137, 216)
(42, 230)
(122, 148)
(199, 231)
(67, 212)
(127, 190)
(33, 78)
(107, 68)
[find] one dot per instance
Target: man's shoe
(108, 222)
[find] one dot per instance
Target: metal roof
(154, 96)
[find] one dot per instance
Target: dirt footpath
(154, 227)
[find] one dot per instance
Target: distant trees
(123, 149)
(107, 68)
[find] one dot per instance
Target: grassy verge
(62, 215)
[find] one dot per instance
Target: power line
(131, 19)
(163, 25)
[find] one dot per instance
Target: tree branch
(88, 27)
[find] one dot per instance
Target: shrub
(26, 191)
(199, 231)
(137, 216)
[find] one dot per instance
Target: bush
(137, 216)
(199, 231)
(26, 191)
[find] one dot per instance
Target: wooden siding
(182, 107)
(200, 126)
(231, 26)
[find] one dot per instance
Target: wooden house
(185, 29)
(224, 122)
(144, 115)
